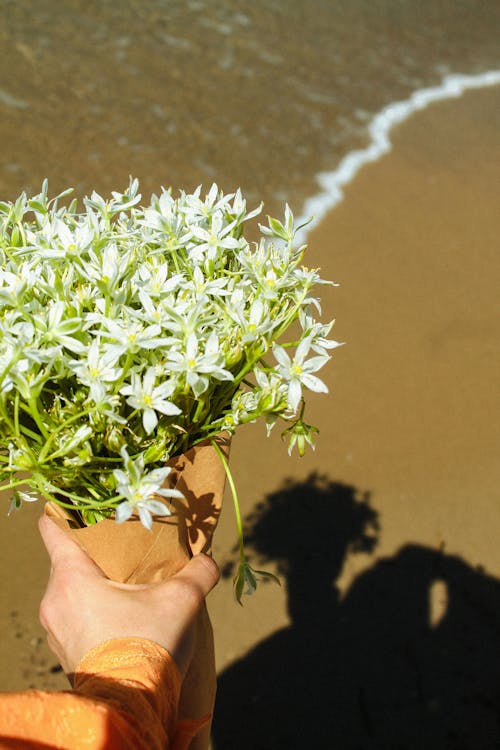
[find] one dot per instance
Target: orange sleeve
(125, 697)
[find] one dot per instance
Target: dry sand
(413, 414)
(386, 634)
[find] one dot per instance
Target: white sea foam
(332, 183)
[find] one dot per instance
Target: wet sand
(411, 416)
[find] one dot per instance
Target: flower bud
(113, 439)
(156, 452)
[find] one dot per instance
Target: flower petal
(158, 508)
(145, 516)
(149, 420)
(314, 383)
(170, 493)
(294, 394)
(124, 511)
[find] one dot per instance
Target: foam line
(332, 183)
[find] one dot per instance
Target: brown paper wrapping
(129, 553)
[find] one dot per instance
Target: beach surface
(406, 464)
(413, 393)
(393, 522)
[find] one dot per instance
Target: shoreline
(380, 127)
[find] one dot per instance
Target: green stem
(11, 364)
(234, 494)
(38, 481)
(20, 308)
(16, 414)
(82, 504)
(11, 485)
(33, 411)
(5, 417)
(104, 460)
(92, 487)
(74, 418)
(47, 495)
(126, 367)
(291, 315)
(29, 433)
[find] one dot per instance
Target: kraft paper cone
(129, 553)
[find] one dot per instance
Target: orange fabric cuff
(126, 696)
(121, 669)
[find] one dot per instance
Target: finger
(63, 550)
(201, 572)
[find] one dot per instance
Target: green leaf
(246, 575)
(16, 239)
(37, 206)
(278, 228)
(239, 585)
(270, 576)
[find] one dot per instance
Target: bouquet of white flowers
(130, 334)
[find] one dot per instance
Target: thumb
(63, 550)
(201, 573)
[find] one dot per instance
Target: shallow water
(263, 95)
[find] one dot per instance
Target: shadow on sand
(407, 658)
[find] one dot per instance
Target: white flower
(239, 208)
(185, 318)
(155, 281)
(139, 490)
(69, 441)
(157, 312)
(196, 366)
(253, 323)
(98, 366)
(107, 267)
(11, 364)
(14, 285)
(28, 379)
(212, 239)
(317, 333)
(148, 398)
(19, 458)
(195, 209)
(74, 241)
(130, 337)
(56, 329)
(297, 372)
(120, 202)
(105, 403)
(162, 213)
(269, 269)
(201, 286)
(272, 389)
(18, 498)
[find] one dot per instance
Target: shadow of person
(406, 658)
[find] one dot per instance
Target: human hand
(82, 608)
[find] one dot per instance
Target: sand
(392, 561)
(410, 418)
(410, 422)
